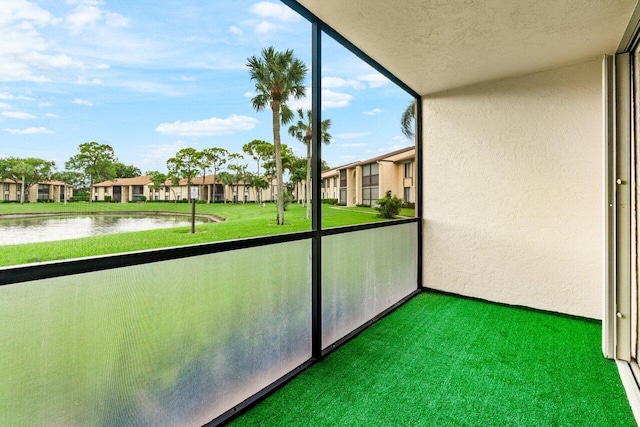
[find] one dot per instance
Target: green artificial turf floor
(441, 360)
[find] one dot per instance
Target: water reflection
(47, 229)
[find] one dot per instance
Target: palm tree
(278, 76)
(303, 132)
(407, 120)
(227, 179)
(215, 158)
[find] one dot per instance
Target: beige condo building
(56, 191)
(366, 181)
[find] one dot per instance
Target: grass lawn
(241, 221)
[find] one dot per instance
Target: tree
(96, 161)
(185, 164)
(158, 180)
(258, 184)
(75, 179)
(259, 150)
(407, 120)
(126, 171)
(278, 77)
(26, 171)
(240, 174)
(226, 179)
(389, 206)
(215, 158)
(303, 132)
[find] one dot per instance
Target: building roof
(400, 155)
(50, 182)
(138, 180)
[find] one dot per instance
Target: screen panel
(168, 343)
(364, 273)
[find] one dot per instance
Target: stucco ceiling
(441, 44)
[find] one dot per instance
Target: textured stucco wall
(513, 190)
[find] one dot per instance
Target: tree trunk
(275, 107)
(214, 186)
(22, 191)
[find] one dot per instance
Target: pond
(46, 229)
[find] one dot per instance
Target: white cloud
(154, 156)
(85, 15)
(84, 102)
(149, 87)
(374, 80)
(265, 27)
(352, 135)
(303, 103)
(18, 115)
(208, 127)
(400, 138)
(235, 31)
(92, 82)
(4, 106)
(332, 99)
(373, 112)
(354, 145)
(44, 104)
(88, 14)
(29, 131)
(249, 94)
(42, 61)
(338, 82)
(7, 97)
(276, 11)
(116, 20)
(51, 115)
(26, 12)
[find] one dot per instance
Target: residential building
(366, 181)
(122, 190)
(141, 188)
(56, 191)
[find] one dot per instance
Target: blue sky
(152, 77)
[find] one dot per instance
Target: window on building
(137, 192)
(6, 186)
(407, 195)
(43, 192)
(370, 181)
(408, 170)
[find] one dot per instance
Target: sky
(152, 77)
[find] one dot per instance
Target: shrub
(288, 198)
(330, 201)
(409, 205)
(107, 198)
(79, 197)
(201, 202)
(143, 198)
(389, 206)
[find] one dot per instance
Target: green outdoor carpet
(441, 360)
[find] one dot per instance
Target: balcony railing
(185, 341)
